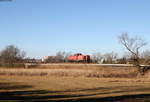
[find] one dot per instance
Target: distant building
(44, 58)
(48, 58)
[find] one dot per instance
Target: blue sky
(43, 27)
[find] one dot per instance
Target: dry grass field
(50, 85)
(74, 70)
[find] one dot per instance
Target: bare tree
(146, 57)
(133, 45)
(97, 57)
(110, 57)
(11, 55)
(62, 56)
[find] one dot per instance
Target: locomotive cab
(78, 57)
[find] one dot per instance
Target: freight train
(79, 58)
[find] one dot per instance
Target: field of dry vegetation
(73, 83)
(74, 70)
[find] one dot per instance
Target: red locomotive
(79, 58)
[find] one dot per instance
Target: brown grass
(77, 83)
(75, 70)
(51, 89)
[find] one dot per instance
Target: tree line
(12, 56)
